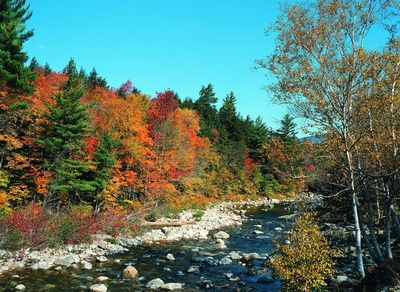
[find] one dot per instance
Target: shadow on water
(150, 262)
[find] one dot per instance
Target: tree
(322, 69)
(13, 34)
(47, 69)
(34, 64)
(66, 128)
(205, 106)
(287, 130)
(95, 80)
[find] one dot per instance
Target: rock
(259, 226)
(180, 273)
(58, 268)
(235, 255)
(279, 229)
(172, 286)
(288, 217)
(220, 244)
(170, 257)
(253, 256)
(98, 288)
(117, 261)
(103, 244)
(75, 266)
(101, 259)
(258, 232)
(42, 266)
(342, 278)
(130, 273)
(87, 265)
(155, 283)
(15, 276)
(20, 287)
(102, 278)
(221, 235)
(225, 261)
(193, 269)
(167, 269)
(65, 261)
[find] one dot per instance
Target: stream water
(151, 263)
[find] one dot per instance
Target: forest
(79, 157)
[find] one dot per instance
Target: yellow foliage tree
(305, 261)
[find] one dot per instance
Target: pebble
(98, 288)
(170, 257)
(20, 287)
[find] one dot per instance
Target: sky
(159, 44)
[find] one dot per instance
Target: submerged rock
(193, 269)
(235, 255)
(20, 287)
(170, 257)
(220, 244)
(225, 261)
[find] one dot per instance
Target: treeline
(350, 94)
(67, 138)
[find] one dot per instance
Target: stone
(20, 287)
(130, 273)
(87, 265)
(225, 261)
(117, 261)
(342, 278)
(170, 257)
(258, 226)
(102, 278)
(193, 269)
(253, 256)
(65, 261)
(101, 259)
(103, 244)
(180, 273)
(58, 268)
(221, 235)
(220, 244)
(155, 283)
(172, 286)
(258, 232)
(234, 255)
(15, 276)
(98, 288)
(42, 265)
(279, 229)
(75, 266)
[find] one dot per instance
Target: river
(150, 261)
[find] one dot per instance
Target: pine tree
(67, 126)
(95, 80)
(287, 131)
(70, 68)
(47, 69)
(256, 137)
(205, 106)
(34, 64)
(13, 34)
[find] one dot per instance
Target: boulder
(221, 235)
(235, 255)
(98, 288)
(220, 244)
(170, 257)
(87, 265)
(172, 286)
(155, 283)
(130, 273)
(101, 259)
(193, 269)
(225, 261)
(65, 261)
(42, 265)
(342, 278)
(20, 287)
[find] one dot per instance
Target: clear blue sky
(160, 44)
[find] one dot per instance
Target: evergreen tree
(287, 130)
(70, 69)
(82, 75)
(95, 80)
(230, 120)
(13, 34)
(187, 103)
(67, 126)
(34, 64)
(47, 69)
(205, 107)
(256, 137)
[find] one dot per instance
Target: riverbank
(84, 255)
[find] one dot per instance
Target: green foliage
(63, 146)
(12, 240)
(13, 73)
(198, 214)
(111, 240)
(47, 69)
(17, 106)
(287, 131)
(4, 179)
(306, 261)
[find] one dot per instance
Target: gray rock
(258, 226)
(225, 261)
(102, 278)
(279, 229)
(65, 261)
(180, 273)
(221, 235)
(58, 268)
(42, 266)
(155, 283)
(98, 288)
(258, 232)
(235, 255)
(193, 269)
(87, 265)
(101, 259)
(170, 257)
(20, 287)
(342, 278)
(172, 286)
(220, 244)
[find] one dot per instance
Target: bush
(306, 261)
(13, 240)
(198, 214)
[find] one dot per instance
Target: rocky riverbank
(84, 255)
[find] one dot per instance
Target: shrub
(306, 261)
(198, 214)
(13, 240)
